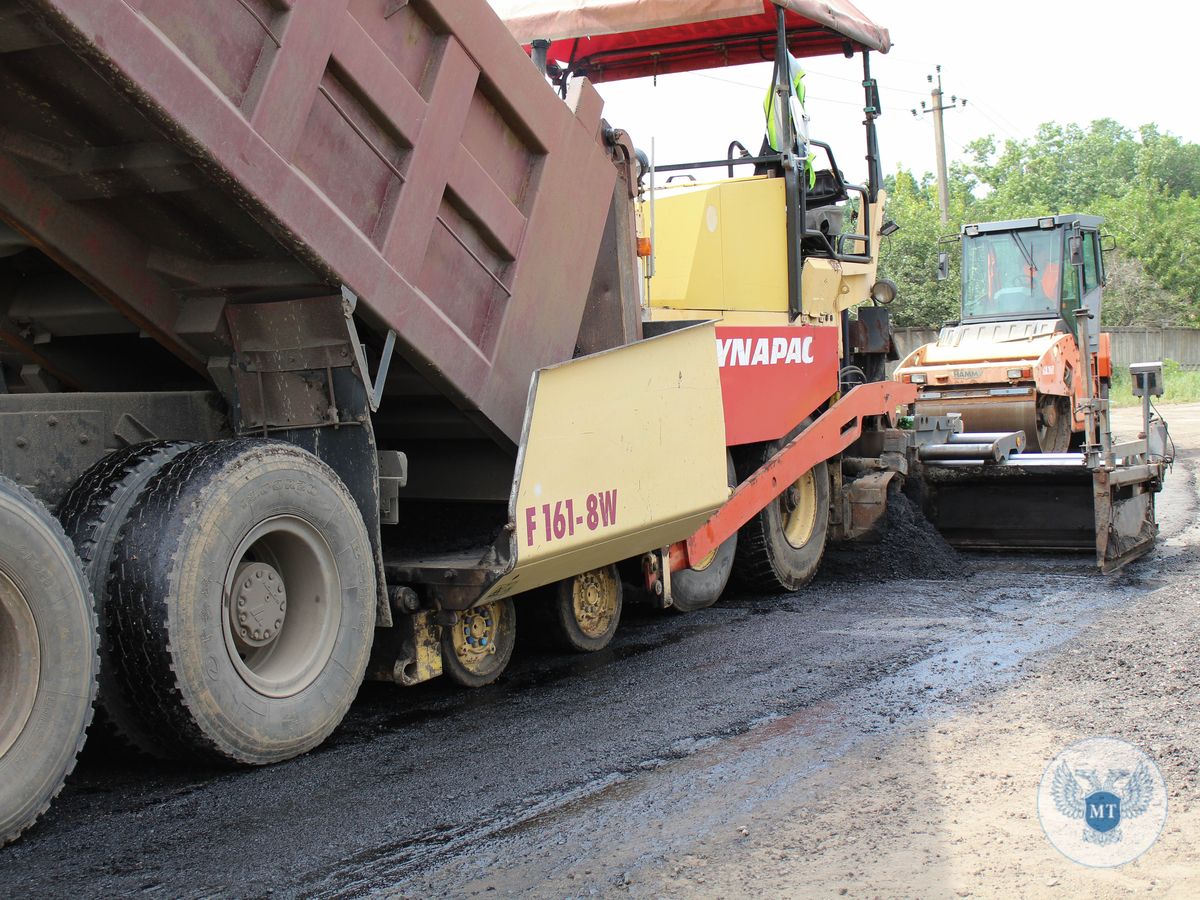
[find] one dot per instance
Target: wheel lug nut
(242, 618)
(242, 600)
(278, 623)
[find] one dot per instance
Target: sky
(1018, 63)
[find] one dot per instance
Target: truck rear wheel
(243, 598)
(587, 609)
(477, 648)
(92, 513)
(48, 659)
(702, 585)
(780, 548)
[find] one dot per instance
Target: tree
(1132, 298)
(1145, 185)
(909, 256)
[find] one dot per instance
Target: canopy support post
(793, 189)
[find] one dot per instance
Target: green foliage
(1132, 297)
(1146, 185)
(909, 256)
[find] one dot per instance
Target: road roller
(1027, 373)
(1012, 361)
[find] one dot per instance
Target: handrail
(729, 154)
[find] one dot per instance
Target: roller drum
(989, 414)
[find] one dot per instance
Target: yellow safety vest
(769, 109)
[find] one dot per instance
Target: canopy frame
(739, 33)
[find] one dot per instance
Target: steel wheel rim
(594, 601)
(800, 510)
(20, 662)
(707, 561)
(1047, 420)
(474, 636)
(297, 632)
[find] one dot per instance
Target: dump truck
(1027, 372)
(325, 335)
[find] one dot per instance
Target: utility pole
(939, 138)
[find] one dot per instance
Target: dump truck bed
(179, 157)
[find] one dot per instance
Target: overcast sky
(1019, 63)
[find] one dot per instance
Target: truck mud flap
(622, 452)
(1042, 504)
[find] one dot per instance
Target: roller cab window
(1012, 275)
(1092, 275)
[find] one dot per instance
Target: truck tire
(48, 659)
(585, 610)
(92, 513)
(477, 648)
(702, 585)
(780, 548)
(242, 594)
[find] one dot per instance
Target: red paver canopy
(607, 40)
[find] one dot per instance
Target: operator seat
(823, 212)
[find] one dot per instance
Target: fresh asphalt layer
(428, 790)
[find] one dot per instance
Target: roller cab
(1027, 360)
(1012, 361)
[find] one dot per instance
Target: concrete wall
(1130, 344)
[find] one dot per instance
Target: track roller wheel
(476, 649)
(243, 602)
(702, 585)
(587, 608)
(780, 548)
(48, 659)
(92, 513)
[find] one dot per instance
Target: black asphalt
(424, 782)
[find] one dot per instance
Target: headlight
(919, 378)
(883, 291)
(1014, 373)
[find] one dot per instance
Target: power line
(858, 81)
(979, 109)
(849, 102)
(807, 96)
(1004, 123)
(1004, 120)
